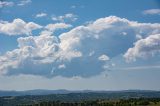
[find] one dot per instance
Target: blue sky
(79, 44)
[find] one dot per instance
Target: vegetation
(117, 98)
(121, 102)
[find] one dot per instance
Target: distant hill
(13, 98)
(32, 92)
(62, 91)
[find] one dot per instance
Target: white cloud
(103, 32)
(144, 48)
(43, 47)
(138, 36)
(103, 57)
(5, 3)
(62, 66)
(24, 2)
(18, 27)
(124, 33)
(39, 55)
(66, 17)
(152, 12)
(53, 27)
(35, 50)
(41, 15)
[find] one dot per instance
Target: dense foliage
(121, 102)
(85, 99)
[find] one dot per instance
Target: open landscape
(82, 98)
(79, 52)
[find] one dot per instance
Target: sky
(80, 44)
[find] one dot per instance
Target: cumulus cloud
(66, 17)
(144, 48)
(35, 51)
(30, 49)
(53, 27)
(103, 57)
(78, 50)
(152, 12)
(5, 3)
(41, 15)
(24, 2)
(18, 27)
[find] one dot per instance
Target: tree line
(120, 102)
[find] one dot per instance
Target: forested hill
(63, 91)
(76, 97)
